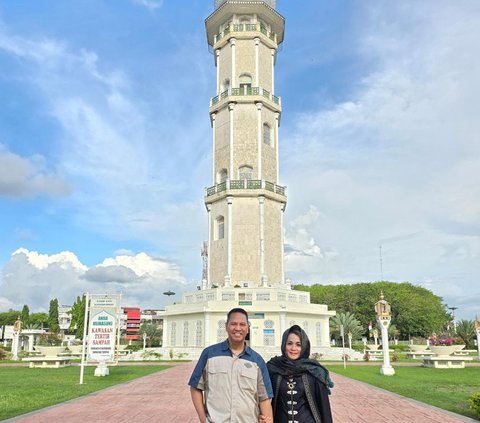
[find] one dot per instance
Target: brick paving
(164, 397)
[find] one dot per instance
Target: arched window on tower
(219, 228)
(222, 176)
(245, 83)
(245, 172)
(267, 134)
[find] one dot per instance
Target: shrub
(135, 347)
(395, 357)
(49, 339)
(474, 402)
(181, 355)
(356, 346)
(3, 354)
(445, 339)
(151, 355)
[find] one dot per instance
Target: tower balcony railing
(232, 184)
(245, 27)
(245, 91)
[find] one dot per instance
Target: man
(230, 383)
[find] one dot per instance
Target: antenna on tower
(204, 254)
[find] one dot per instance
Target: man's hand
(197, 399)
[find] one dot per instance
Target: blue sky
(105, 146)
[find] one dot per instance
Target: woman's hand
(264, 419)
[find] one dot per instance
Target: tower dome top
(270, 3)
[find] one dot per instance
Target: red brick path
(164, 397)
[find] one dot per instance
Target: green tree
(78, 317)
(39, 319)
(466, 331)
(8, 318)
(153, 333)
(393, 332)
(25, 315)
(53, 324)
(350, 325)
(416, 311)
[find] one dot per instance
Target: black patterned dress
(292, 405)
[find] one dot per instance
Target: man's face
(237, 327)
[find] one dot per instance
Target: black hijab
(285, 367)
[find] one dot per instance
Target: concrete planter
(49, 351)
(443, 350)
(373, 347)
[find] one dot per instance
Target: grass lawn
(24, 389)
(444, 388)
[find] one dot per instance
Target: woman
(300, 386)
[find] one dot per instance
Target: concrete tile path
(164, 397)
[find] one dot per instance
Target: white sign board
(102, 336)
(103, 301)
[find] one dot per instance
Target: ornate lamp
(384, 317)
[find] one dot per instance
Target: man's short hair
(237, 310)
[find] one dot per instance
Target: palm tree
(153, 333)
(466, 331)
(33, 326)
(393, 332)
(350, 325)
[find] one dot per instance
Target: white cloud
(28, 177)
(116, 147)
(399, 160)
(34, 278)
(65, 259)
(150, 4)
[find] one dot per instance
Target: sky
(105, 147)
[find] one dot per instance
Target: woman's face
(293, 347)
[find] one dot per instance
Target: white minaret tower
(245, 203)
(243, 260)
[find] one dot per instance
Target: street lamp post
(144, 339)
(453, 318)
(384, 317)
(17, 328)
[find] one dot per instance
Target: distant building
(130, 325)
(152, 316)
(64, 317)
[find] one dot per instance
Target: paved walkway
(164, 397)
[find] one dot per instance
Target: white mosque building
(245, 202)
